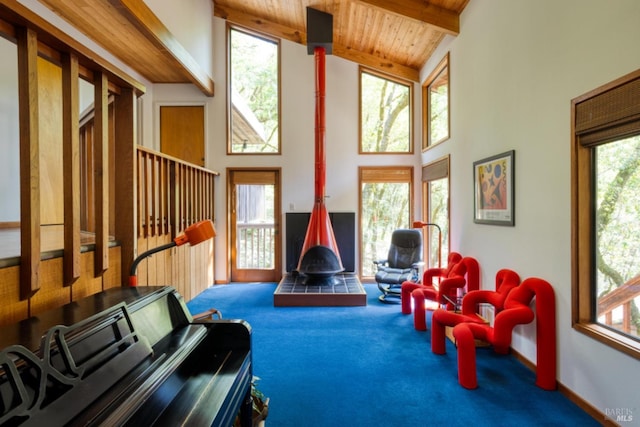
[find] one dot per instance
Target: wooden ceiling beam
(443, 19)
(141, 17)
(300, 36)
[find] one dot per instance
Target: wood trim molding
(71, 167)
(101, 161)
(29, 162)
(142, 18)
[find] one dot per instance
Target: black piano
(125, 357)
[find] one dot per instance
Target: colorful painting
(493, 182)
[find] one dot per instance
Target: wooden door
(182, 132)
(254, 223)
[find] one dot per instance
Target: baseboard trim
(569, 394)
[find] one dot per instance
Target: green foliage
(254, 83)
(385, 207)
(439, 120)
(617, 214)
(385, 115)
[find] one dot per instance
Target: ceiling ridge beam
(300, 36)
(444, 20)
(143, 18)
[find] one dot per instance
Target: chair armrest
(451, 284)
(471, 300)
(504, 323)
(207, 315)
(430, 273)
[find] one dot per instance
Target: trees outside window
(617, 234)
(605, 212)
(435, 197)
(435, 104)
(385, 205)
(385, 114)
(254, 94)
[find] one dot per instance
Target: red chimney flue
(319, 258)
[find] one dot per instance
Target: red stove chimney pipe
(319, 231)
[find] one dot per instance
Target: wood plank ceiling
(393, 36)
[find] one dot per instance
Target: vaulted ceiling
(394, 36)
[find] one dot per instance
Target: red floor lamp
(194, 234)
(421, 224)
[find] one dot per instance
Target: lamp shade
(196, 233)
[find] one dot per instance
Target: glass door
(254, 224)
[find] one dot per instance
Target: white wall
(514, 69)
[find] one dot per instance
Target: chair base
(390, 298)
(390, 294)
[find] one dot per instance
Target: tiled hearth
(347, 291)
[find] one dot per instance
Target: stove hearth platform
(347, 291)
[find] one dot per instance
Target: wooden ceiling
(394, 36)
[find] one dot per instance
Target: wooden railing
(172, 194)
(255, 245)
(621, 297)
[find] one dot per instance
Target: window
(254, 94)
(435, 190)
(385, 114)
(385, 205)
(606, 187)
(435, 99)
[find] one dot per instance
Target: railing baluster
(172, 194)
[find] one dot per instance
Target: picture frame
(494, 189)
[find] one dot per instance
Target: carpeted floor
(367, 366)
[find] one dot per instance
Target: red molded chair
(516, 312)
(464, 277)
(506, 280)
(428, 279)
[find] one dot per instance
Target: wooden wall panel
(50, 131)
(87, 284)
(141, 271)
(112, 278)
(52, 292)
(12, 309)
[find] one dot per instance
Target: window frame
(426, 103)
(268, 38)
(617, 122)
(364, 70)
(436, 171)
(381, 174)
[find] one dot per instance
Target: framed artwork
(494, 183)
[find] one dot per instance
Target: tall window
(606, 230)
(385, 205)
(254, 94)
(435, 102)
(385, 114)
(435, 180)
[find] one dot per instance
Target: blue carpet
(366, 366)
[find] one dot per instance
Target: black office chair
(402, 264)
